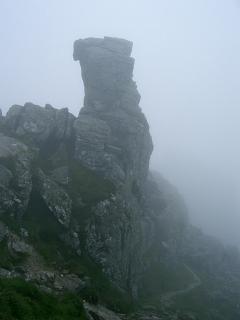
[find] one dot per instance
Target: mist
(187, 71)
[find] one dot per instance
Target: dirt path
(196, 283)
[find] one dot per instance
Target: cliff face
(80, 211)
(113, 139)
(53, 156)
(112, 132)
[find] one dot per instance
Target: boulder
(39, 125)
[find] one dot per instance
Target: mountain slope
(80, 213)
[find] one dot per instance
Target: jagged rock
(112, 138)
(69, 282)
(39, 124)
(92, 136)
(56, 199)
(112, 134)
(42, 277)
(55, 281)
(15, 171)
(106, 70)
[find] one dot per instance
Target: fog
(187, 70)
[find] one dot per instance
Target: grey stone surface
(112, 134)
(56, 199)
(16, 245)
(15, 171)
(38, 124)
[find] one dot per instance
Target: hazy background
(187, 69)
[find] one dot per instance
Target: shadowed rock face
(112, 134)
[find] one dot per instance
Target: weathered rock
(69, 282)
(16, 245)
(54, 280)
(112, 134)
(117, 237)
(16, 177)
(92, 136)
(106, 70)
(38, 124)
(56, 199)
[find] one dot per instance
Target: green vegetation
(196, 301)
(44, 230)
(204, 300)
(45, 234)
(100, 289)
(23, 301)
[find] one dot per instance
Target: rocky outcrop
(15, 173)
(112, 134)
(82, 211)
(60, 158)
(56, 199)
(113, 139)
(39, 125)
(117, 238)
